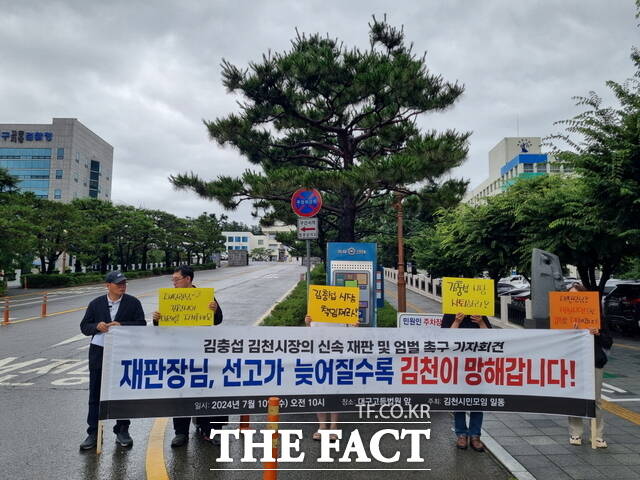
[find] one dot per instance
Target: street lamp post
(402, 289)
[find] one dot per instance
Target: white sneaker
(600, 443)
(575, 440)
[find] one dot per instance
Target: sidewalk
(537, 446)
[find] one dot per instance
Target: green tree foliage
(260, 254)
(342, 120)
(604, 150)
(206, 237)
(8, 183)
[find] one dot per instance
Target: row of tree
(98, 233)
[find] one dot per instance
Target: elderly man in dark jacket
(114, 309)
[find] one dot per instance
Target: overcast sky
(143, 75)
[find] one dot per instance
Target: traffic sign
(308, 228)
(306, 202)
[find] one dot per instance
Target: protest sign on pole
(199, 371)
(471, 296)
(574, 309)
(331, 304)
(185, 307)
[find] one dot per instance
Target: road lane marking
(624, 345)
(48, 315)
(633, 417)
(78, 337)
(155, 466)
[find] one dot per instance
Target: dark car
(622, 307)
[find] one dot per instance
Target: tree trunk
(347, 219)
(43, 264)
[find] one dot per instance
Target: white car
(518, 281)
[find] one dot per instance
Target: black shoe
(124, 439)
(179, 440)
(90, 442)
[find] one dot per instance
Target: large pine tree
(342, 120)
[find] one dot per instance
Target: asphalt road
(44, 389)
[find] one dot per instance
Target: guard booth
(351, 265)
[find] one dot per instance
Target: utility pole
(402, 289)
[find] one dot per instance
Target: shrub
(387, 316)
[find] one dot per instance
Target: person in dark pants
(183, 278)
(114, 309)
(467, 435)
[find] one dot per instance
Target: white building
(248, 241)
(510, 159)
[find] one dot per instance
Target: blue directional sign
(306, 202)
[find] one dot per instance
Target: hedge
(291, 311)
(39, 280)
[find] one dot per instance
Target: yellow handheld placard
(471, 296)
(185, 307)
(333, 304)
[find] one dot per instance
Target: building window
(58, 174)
(260, 242)
(60, 154)
(245, 239)
(229, 239)
(230, 248)
(238, 239)
(541, 167)
(57, 194)
(244, 247)
(528, 167)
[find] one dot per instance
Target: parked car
(504, 287)
(622, 307)
(610, 285)
(520, 294)
(518, 281)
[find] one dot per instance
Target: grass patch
(387, 316)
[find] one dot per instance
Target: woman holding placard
(601, 340)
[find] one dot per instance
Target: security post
(5, 319)
(270, 471)
(43, 312)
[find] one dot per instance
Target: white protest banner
(420, 320)
(200, 371)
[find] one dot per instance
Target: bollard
(270, 471)
(43, 312)
(5, 315)
(244, 422)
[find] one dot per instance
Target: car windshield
(628, 291)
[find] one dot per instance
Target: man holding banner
(183, 278)
(114, 309)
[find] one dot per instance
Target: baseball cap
(115, 277)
